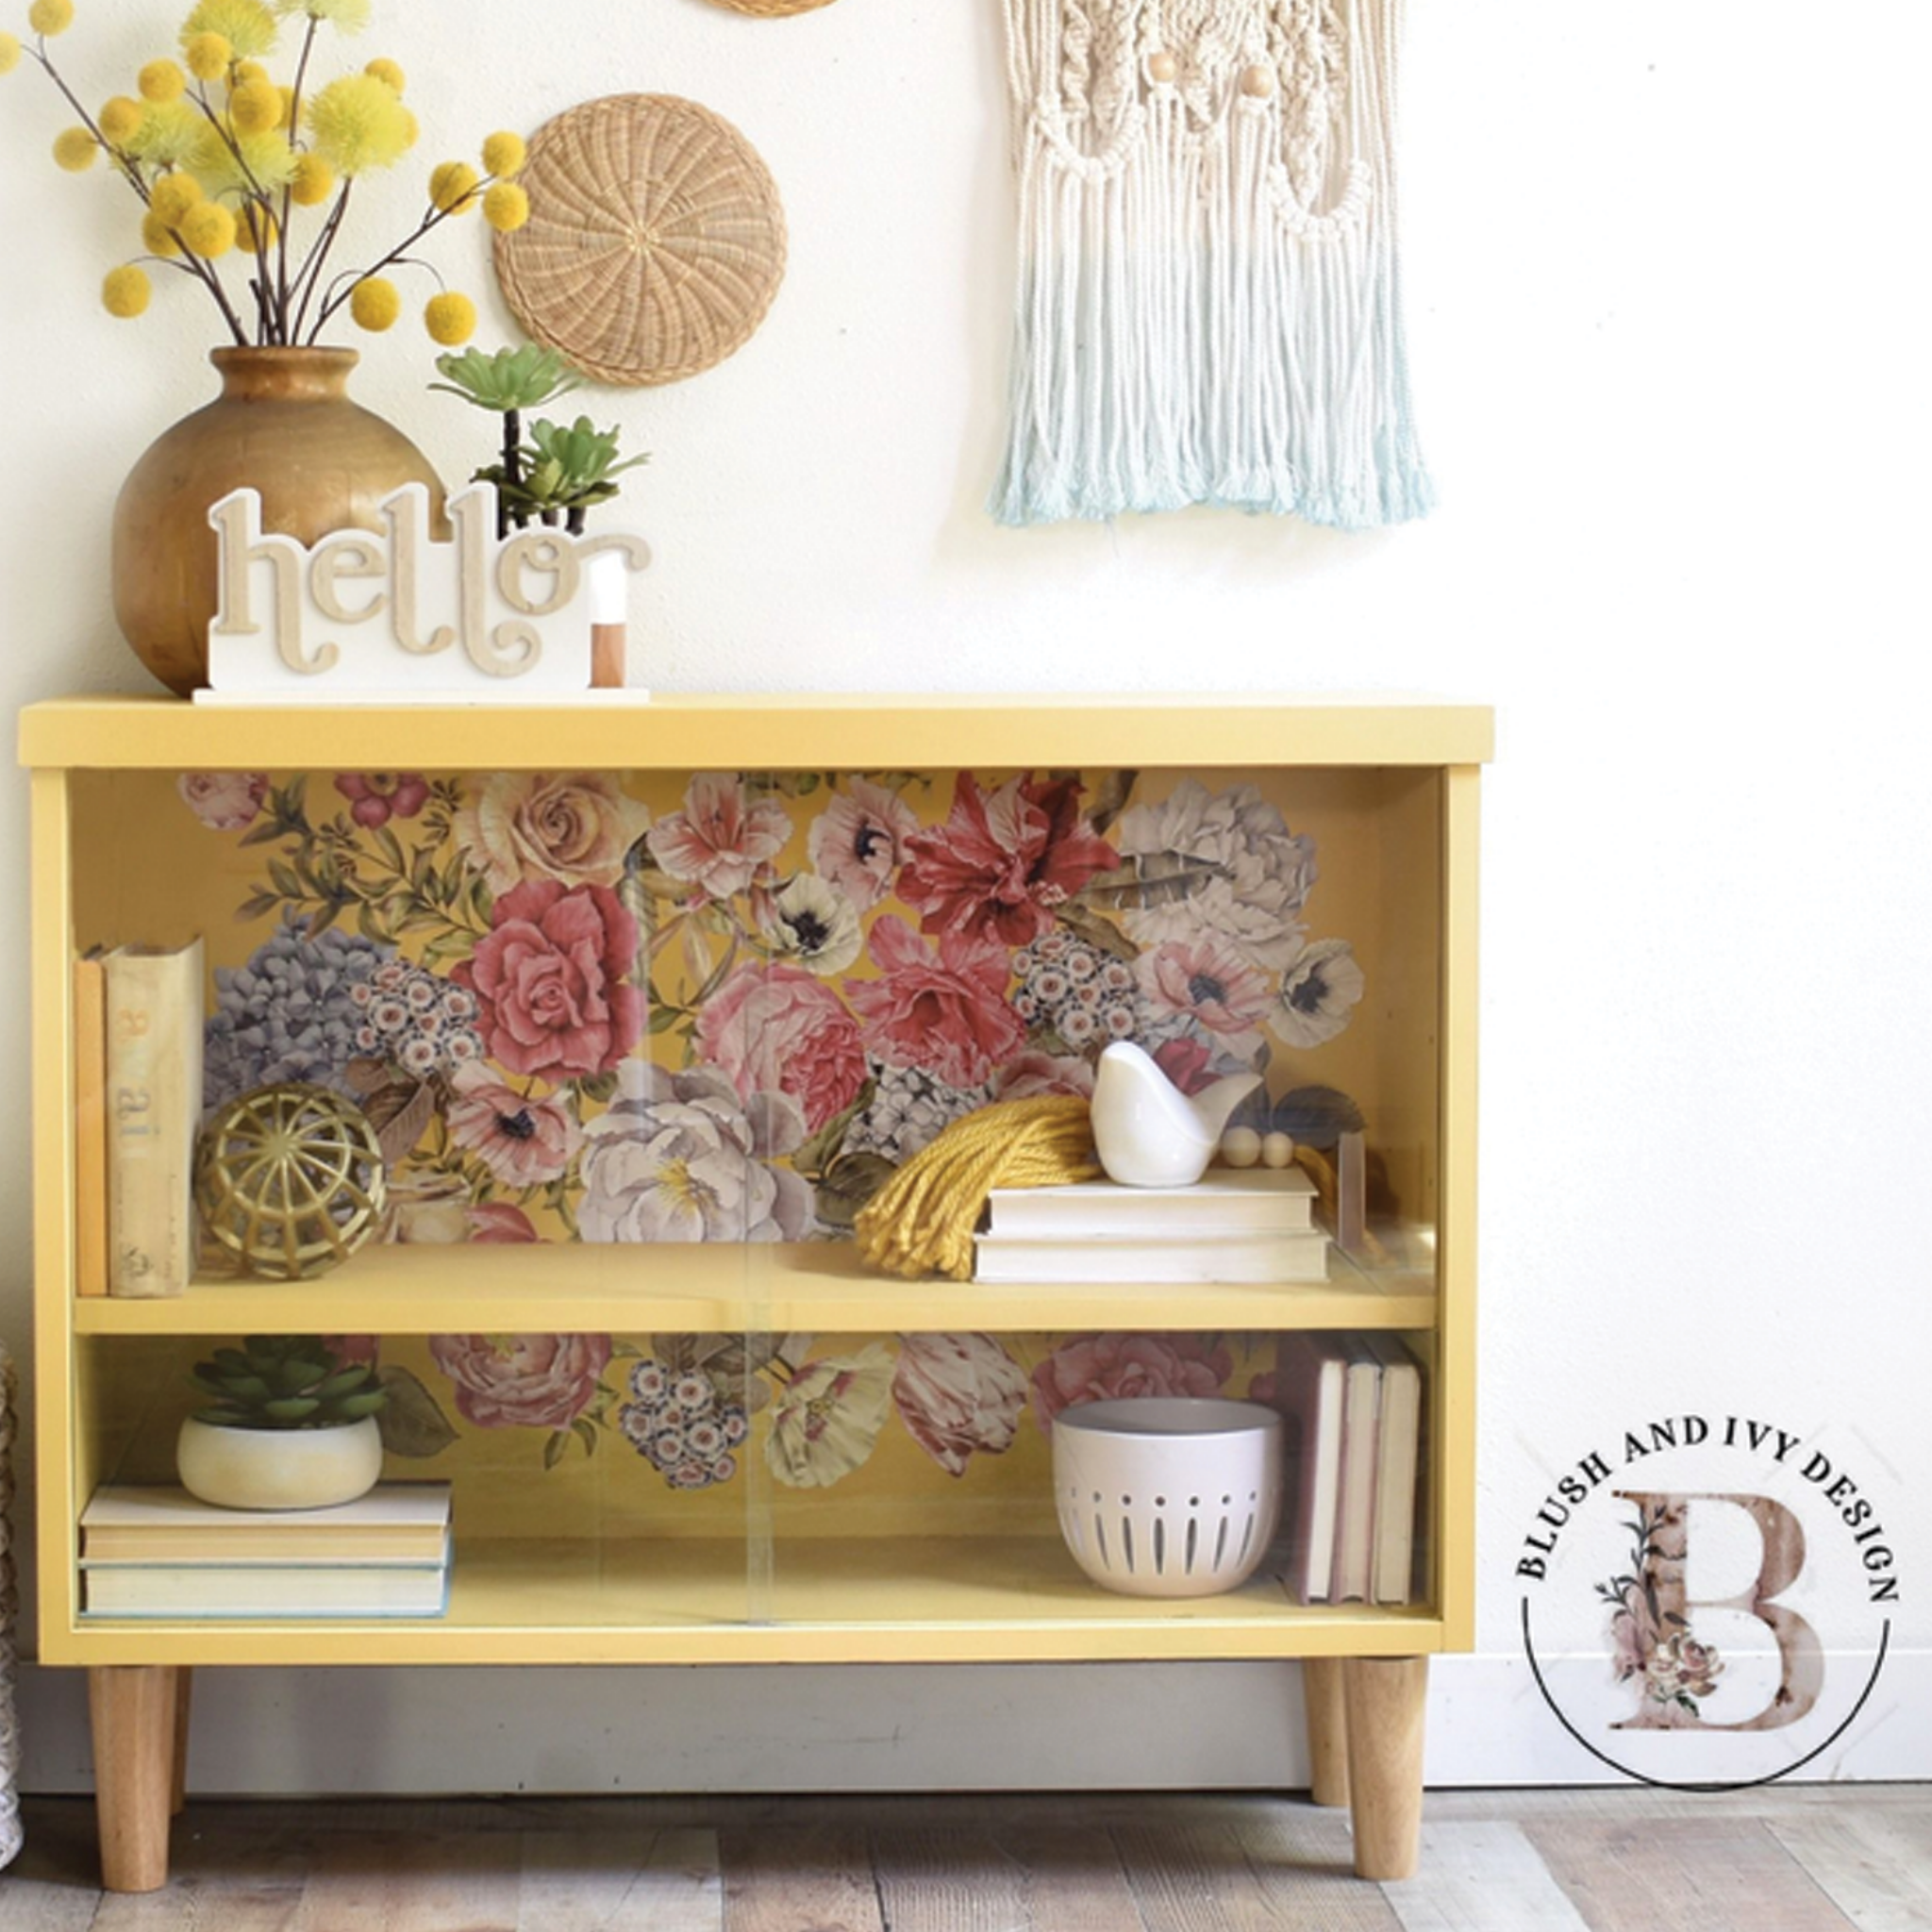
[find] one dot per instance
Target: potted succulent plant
(288, 1426)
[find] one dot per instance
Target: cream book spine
(89, 1125)
(154, 1110)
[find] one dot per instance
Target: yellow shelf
(875, 1599)
(750, 733)
(817, 1287)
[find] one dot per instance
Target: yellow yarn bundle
(922, 1221)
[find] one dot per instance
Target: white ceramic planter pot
(1168, 1495)
(279, 1469)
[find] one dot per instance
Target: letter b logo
(1650, 1628)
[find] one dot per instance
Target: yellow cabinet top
(743, 731)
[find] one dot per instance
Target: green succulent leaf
(524, 379)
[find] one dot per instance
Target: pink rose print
(523, 1381)
(944, 1013)
(1099, 1368)
(522, 1142)
(858, 840)
(500, 1221)
(551, 981)
(351, 1349)
(779, 1029)
(1033, 1073)
(224, 801)
(1003, 862)
(957, 1394)
(375, 797)
(718, 843)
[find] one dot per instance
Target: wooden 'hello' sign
(393, 611)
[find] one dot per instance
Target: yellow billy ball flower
(376, 304)
(452, 186)
(247, 71)
(125, 292)
(162, 81)
(247, 25)
(208, 56)
(171, 196)
(74, 148)
(255, 230)
(121, 119)
(451, 320)
(154, 233)
(388, 73)
(504, 154)
(10, 53)
(256, 107)
(314, 182)
(359, 124)
(209, 229)
(506, 208)
(50, 16)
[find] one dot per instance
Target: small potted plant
(288, 1426)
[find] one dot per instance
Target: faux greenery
(564, 468)
(508, 381)
(285, 1382)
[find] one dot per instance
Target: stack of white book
(162, 1553)
(1354, 1406)
(1234, 1225)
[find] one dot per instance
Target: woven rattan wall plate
(655, 239)
(771, 9)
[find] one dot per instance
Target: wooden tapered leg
(184, 1694)
(133, 1707)
(1383, 1700)
(1327, 1730)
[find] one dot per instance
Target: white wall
(1661, 263)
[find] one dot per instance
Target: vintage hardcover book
(216, 1589)
(91, 1125)
(1198, 1258)
(1398, 1450)
(1230, 1200)
(154, 1110)
(395, 1524)
(1308, 1391)
(1355, 1516)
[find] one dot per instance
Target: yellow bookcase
(909, 1567)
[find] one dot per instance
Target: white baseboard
(986, 1728)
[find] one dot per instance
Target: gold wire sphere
(289, 1180)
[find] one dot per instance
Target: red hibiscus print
(551, 981)
(945, 1013)
(1003, 861)
(375, 797)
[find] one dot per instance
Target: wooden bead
(1278, 1150)
(1163, 68)
(1257, 82)
(1240, 1146)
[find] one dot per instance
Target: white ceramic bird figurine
(1150, 1134)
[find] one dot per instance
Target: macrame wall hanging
(1208, 306)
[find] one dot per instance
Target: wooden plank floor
(1798, 1859)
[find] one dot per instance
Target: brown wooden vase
(283, 425)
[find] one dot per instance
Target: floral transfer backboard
(723, 1006)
